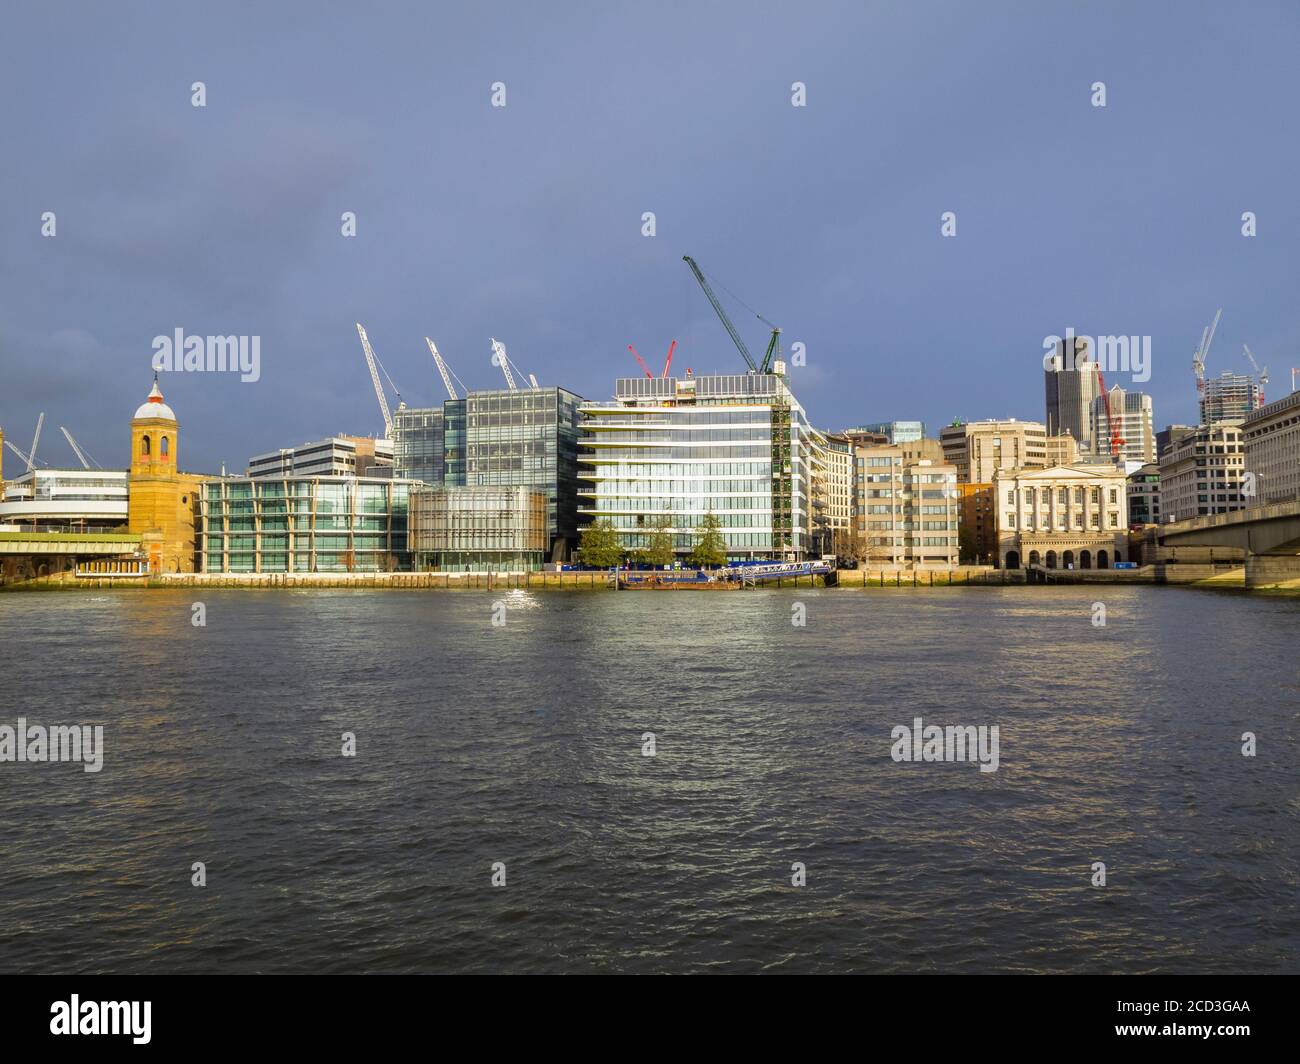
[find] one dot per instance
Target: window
(163, 449)
(144, 445)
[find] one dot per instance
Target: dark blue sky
(525, 222)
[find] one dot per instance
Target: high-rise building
(1131, 414)
(669, 450)
(1201, 473)
(1272, 451)
(907, 509)
(500, 438)
(1228, 397)
(980, 449)
(1071, 381)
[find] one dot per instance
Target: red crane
(1116, 440)
(646, 369)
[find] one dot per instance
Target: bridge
(26, 553)
(1268, 535)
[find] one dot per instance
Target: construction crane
(442, 368)
(668, 362)
(372, 362)
(1262, 374)
(773, 344)
(22, 456)
(500, 358)
(1116, 441)
(85, 462)
(31, 455)
(640, 362)
(1202, 352)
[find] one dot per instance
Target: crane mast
(721, 313)
(374, 379)
(442, 368)
(1202, 352)
(1262, 374)
(31, 456)
(85, 462)
(499, 357)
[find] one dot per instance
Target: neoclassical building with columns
(1068, 516)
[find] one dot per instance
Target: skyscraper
(1132, 415)
(1228, 397)
(1070, 378)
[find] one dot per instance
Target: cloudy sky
(525, 222)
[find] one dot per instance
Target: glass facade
(675, 449)
(303, 525)
(500, 438)
(478, 529)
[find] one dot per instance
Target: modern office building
(1271, 438)
(907, 509)
(477, 529)
(1064, 517)
(339, 456)
(1201, 473)
(1071, 383)
(980, 449)
(1228, 397)
(303, 525)
(678, 448)
(1144, 495)
(500, 438)
(1131, 413)
(67, 498)
(896, 431)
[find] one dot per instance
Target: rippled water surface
(522, 744)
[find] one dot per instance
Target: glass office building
(303, 525)
(674, 449)
(500, 438)
(478, 529)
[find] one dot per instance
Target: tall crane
(85, 462)
(442, 368)
(773, 344)
(1198, 359)
(1262, 374)
(1116, 441)
(499, 357)
(31, 455)
(371, 361)
(641, 362)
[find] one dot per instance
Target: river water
(522, 743)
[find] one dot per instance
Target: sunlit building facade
(303, 525)
(673, 449)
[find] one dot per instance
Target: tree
(600, 547)
(849, 546)
(660, 550)
(710, 548)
